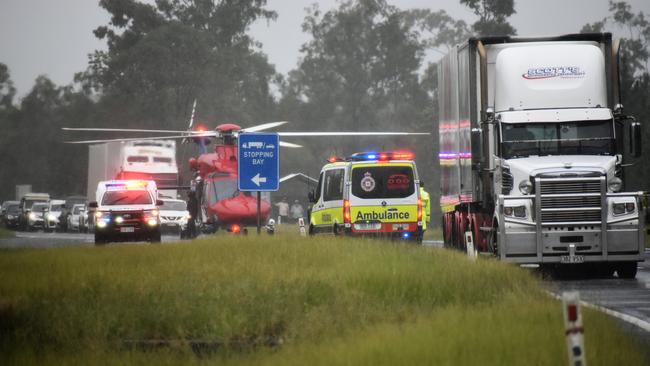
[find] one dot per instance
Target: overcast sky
(54, 37)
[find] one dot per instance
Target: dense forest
(363, 68)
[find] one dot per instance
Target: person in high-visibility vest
(426, 206)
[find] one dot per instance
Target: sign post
(258, 165)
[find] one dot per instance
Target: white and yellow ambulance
(369, 194)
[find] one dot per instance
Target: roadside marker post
(469, 243)
(573, 328)
(301, 223)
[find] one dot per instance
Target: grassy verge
(6, 233)
(320, 301)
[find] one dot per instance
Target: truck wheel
(311, 230)
(627, 270)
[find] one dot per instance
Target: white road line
(625, 317)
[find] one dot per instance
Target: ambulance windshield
(127, 197)
(379, 182)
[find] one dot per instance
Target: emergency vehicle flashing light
(131, 184)
(347, 218)
(382, 156)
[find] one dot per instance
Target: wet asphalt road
(39, 239)
(629, 297)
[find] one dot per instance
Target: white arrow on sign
(257, 179)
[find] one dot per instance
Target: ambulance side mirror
(310, 197)
(92, 204)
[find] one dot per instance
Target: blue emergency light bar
(382, 156)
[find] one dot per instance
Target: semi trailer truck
(535, 149)
(143, 160)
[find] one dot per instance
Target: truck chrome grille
(571, 199)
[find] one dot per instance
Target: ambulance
(374, 194)
(126, 210)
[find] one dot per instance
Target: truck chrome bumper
(531, 241)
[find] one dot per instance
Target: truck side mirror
(93, 204)
(310, 197)
(635, 139)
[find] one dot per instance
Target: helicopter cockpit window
(222, 189)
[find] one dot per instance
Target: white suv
(126, 210)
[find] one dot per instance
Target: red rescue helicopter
(222, 204)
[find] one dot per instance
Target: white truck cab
(126, 210)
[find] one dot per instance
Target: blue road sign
(258, 162)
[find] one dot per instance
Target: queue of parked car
(37, 211)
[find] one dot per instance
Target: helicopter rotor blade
(289, 144)
(203, 134)
(189, 128)
(124, 130)
(264, 126)
(334, 133)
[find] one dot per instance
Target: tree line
(363, 68)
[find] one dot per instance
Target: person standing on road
(297, 211)
(426, 206)
(283, 210)
(193, 209)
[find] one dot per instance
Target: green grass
(324, 301)
(6, 233)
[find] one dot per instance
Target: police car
(126, 210)
(369, 194)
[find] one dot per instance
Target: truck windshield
(390, 181)
(30, 203)
(39, 207)
(130, 197)
(557, 138)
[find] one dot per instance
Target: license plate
(128, 229)
(400, 227)
(368, 226)
(572, 259)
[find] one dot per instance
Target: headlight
(520, 211)
(516, 211)
(98, 214)
(615, 184)
(32, 216)
(154, 212)
(152, 222)
(51, 217)
(119, 220)
(618, 208)
(525, 187)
